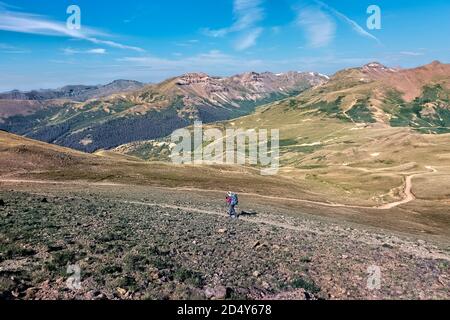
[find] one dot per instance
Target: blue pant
(231, 210)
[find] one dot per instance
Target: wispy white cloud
(34, 24)
(97, 51)
(247, 15)
(248, 39)
(114, 44)
(411, 53)
(70, 51)
(319, 27)
(353, 24)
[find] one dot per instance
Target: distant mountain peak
(436, 62)
(193, 78)
(377, 68)
(252, 76)
(375, 65)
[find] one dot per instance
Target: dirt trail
(409, 196)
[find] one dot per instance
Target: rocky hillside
(138, 243)
(417, 98)
(155, 110)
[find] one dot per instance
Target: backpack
(234, 199)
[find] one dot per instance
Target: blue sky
(150, 41)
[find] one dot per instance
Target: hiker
(232, 201)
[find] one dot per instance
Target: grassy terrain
(343, 161)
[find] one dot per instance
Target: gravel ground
(153, 243)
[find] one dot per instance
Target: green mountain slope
(156, 110)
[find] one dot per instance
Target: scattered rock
(222, 230)
(256, 274)
(217, 293)
(45, 284)
(209, 293)
(2, 203)
(44, 200)
(122, 291)
(388, 246)
(155, 275)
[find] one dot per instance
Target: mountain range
(148, 112)
(74, 92)
(15, 103)
(89, 118)
(365, 116)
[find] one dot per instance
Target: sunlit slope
(345, 161)
(26, 159)
(418, 98)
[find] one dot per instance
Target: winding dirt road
(407, 191)
(409, 196)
